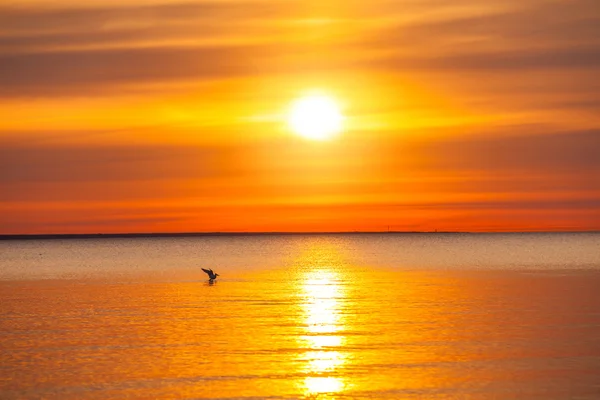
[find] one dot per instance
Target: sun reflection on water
(322, 292)
(324, 361)
(316, 385)
(323, 301)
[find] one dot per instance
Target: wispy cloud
(46, 51)
(537, 60)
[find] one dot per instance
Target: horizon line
(244, 233)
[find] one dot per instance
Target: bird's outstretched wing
(208, 271)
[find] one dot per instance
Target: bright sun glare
(316, 117)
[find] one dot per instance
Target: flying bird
(211, 275)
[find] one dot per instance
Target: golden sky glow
(148, 116)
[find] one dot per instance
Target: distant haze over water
(101, 258)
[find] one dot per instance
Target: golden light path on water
(322, 306)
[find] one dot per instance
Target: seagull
(211, 275)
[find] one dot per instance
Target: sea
(315, 316)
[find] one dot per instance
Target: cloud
(29, 30)
(53, 71)
(551, 152)
(95, 18)
(528, 26)
(88, 70)
(518, 60)
(46, 52)
(552, 163)
(591, 203)
(121, 37)
(546, 35)
(123, 163)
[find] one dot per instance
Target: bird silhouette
(211, 275)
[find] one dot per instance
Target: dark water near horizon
(440, 316)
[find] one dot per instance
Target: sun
(316, 117)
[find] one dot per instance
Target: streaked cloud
(47, 50)
(145, 116)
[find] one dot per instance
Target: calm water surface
(499, 316)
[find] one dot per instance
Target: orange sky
(155, 116)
